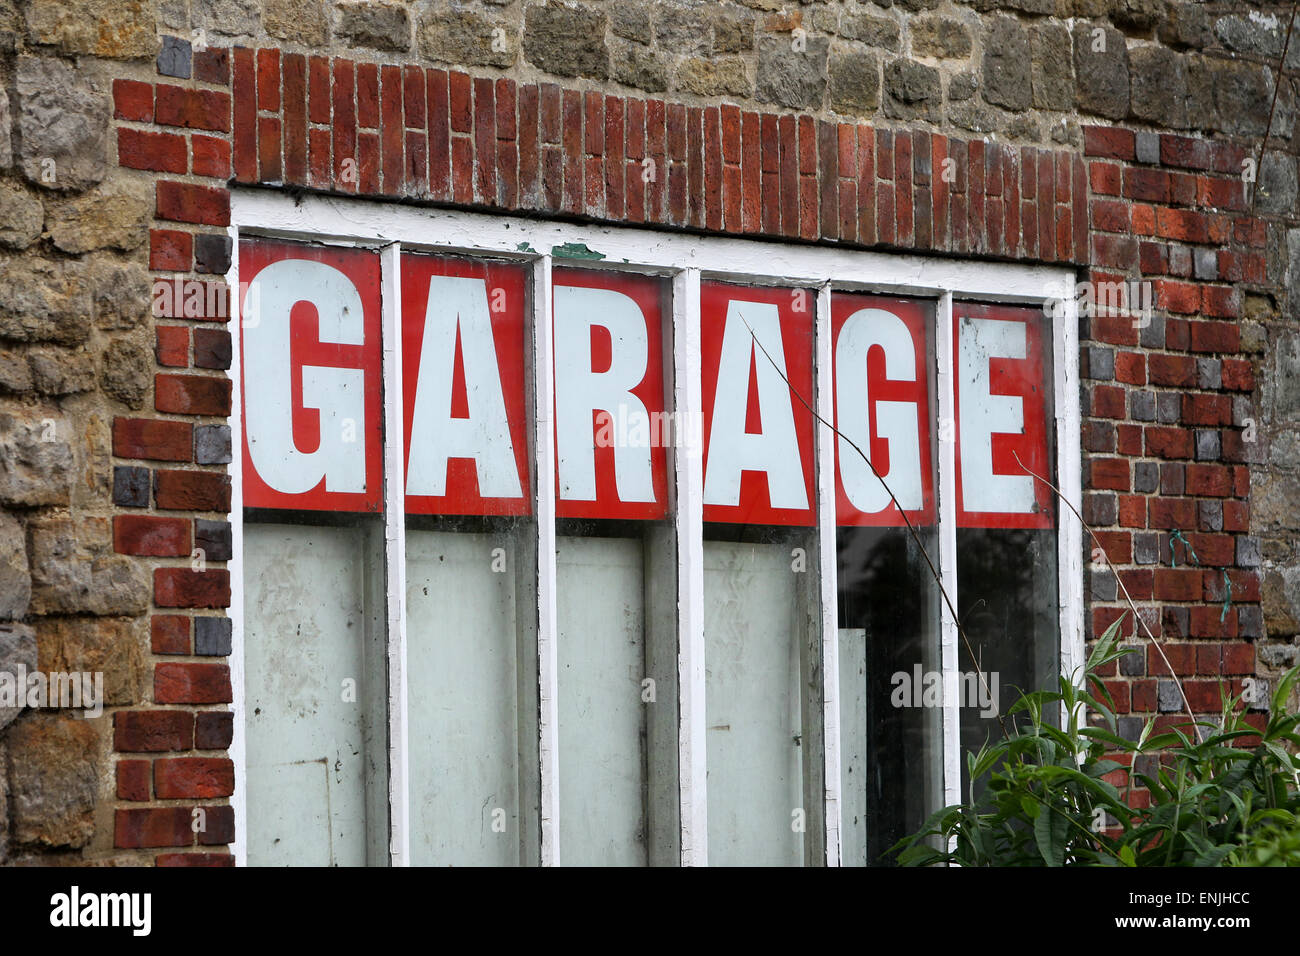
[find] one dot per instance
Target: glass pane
(470, 563)
(891, 740)
(752, 628)
(762, 631)
(315, 696)
(602, 714)
(1006, 538)
(615, 570)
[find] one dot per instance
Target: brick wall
(1182, 416)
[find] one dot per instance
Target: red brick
(1238, 375)
(1212, 550)
(245, 116)
(1114, 330)
(1182, 189)
(413, 101)
(270, 165)
(344, 127)
(295, 118)
(1108, 401)
(1182, 657)
(1146, 185)
(158, 152)
(1138, 583)
(1171, 513)
(192, 491)
(1204, 621)
(393, 140)
(1118, 546)
(1153, 258)
(1203, 409)
(1104, 178)
(318, 89)
(1210, 481)
(193, 859)
(1238, 659)
(1132, 511)
(1109, 216)
(133, 780)
(1131, 368)
(1143, 696)
(192, 109)
(186, 202)
(155, 826)
(188, 683)
(151, 535)
(211, 348)
(1108, 141)
(153, 440)
(268, 80)
(152, 731)
(1142, 219)
(170, 634)
(213, 729)
(1186, 225)
(170, 250)
(1128, 440)
(1109, 473)
(1175, 370)
(181, 778)
(1214, 337)
(1177, 584)
(192, 394)
(1178, 296)
(1168, 442)
(212, 65)
(1236, 516)
(1186, 151)
(1176, 334)
(133, 100)
(211, 156)
(1205, 696)
(220, 827)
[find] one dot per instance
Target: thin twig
(1138, 617)
(1281, 65)
(934, 572)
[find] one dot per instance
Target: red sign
(611, 430)
(882, 356)
(463, 374)
(758, 436)
(309, 350)
(312, 395)
(1003, 378)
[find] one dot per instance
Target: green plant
(1048, 789)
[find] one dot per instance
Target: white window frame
(687, 259)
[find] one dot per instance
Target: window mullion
(688, 474)
(827, 577)
(945, 349)
(547, 728)
(239, 740)
(395, 557)
(1065, 376)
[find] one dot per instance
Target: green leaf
(1050, 829)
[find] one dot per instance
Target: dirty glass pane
(1007, 520)
(615, 565)
(315, 695)
(470, 562)
(602, 716)
(761, 621)
(891, 743)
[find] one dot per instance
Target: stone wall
(123, 125)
